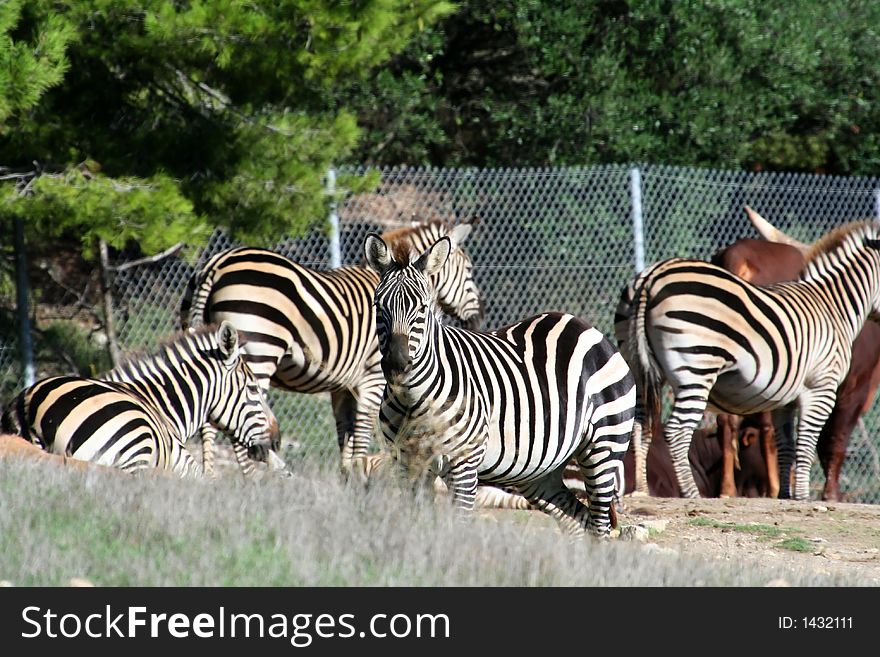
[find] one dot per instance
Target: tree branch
(170, 251)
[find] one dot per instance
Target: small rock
(633, 533)
(818, 539)
(820, 508)
(656, 526)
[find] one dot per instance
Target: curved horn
(773, 234)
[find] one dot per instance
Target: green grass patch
(764, 531)
(796, 544)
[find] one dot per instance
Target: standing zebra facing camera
(510, 407)
(140, 414)
(719, 340)
(313, 331)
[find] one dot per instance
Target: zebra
(314, 331)
(509, 407)
(139, 414)
(720, 341)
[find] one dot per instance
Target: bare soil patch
(823, 537)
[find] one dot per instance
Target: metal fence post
(335, 248)
(25, 343)
(635, 185)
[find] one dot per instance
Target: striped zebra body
(742, 349)
(104, 422)
(507, 408)
(314, 331)
(140, 414)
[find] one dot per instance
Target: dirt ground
(823, 537)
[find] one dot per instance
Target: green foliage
(206, 113)
(728, 83)
(31, 64)
(150, 211)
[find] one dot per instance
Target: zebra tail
(646, 369)
(194, 303)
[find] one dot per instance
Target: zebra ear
(435, 257)
(459, 233)
(376, 252)
(227, 338)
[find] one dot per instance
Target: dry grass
(112, 529)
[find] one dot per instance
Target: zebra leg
(245, 463)
(182, 462)
(601, 471)
(641, 441)
(550, 495)
(782, 421)
(209, 435)
(345, 413)
(461, 479)
(365, 469)
(492, 497)
(687, 413)
(816, 406)
(368, 398)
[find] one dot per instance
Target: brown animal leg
(728, 428)
(831, 492)
(771, 459)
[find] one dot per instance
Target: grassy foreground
(58, 523)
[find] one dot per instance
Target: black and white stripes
(314, 331)
(140, 414)
(510, 407)
(744, 349)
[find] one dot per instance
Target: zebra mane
(835, 238)
(137, 357)
(400, 240)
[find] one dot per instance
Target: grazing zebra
(508, 408)
(315, 331)
(139, 415)
(745, 349)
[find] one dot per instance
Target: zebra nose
(475, 321)
(395, 359)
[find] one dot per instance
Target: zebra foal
(140, 414)
(744, 349)
(313, 331)
(510, 407)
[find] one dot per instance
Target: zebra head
(457, 291)
(241, 407)
(405, 302)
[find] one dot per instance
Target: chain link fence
(546, 239)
